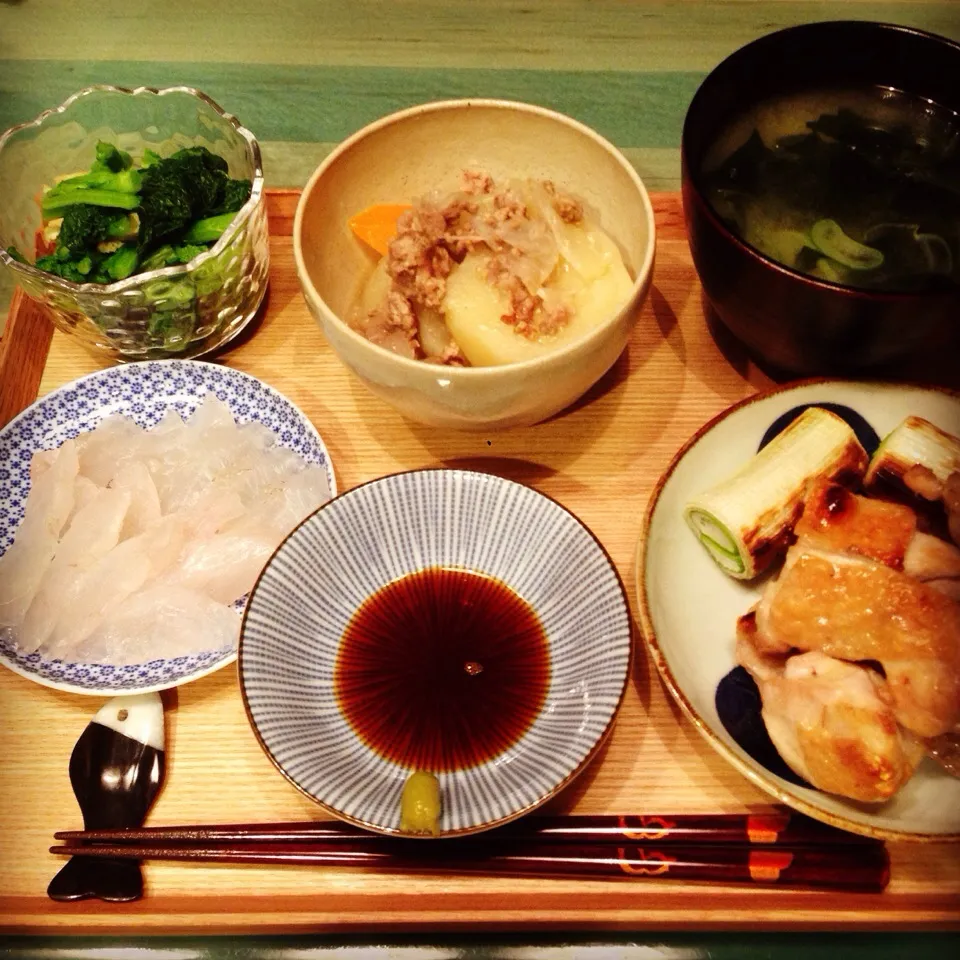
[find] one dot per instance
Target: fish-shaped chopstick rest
(116, 770)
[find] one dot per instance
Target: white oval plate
(689, 607)
(379, 532)
(144, 392)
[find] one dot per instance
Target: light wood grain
(600, 459)
(23, 353)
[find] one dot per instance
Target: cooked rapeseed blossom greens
(118, 219)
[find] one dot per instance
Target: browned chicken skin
(856, 609)
(834, 519)
(860, 632)
(831, 721)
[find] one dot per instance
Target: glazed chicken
(831, 721)
(860, 631)
(834, 519)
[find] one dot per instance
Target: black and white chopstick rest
(116, 770)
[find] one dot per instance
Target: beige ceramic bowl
(411, 153)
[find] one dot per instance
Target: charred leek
(915, 443)
(745, 522)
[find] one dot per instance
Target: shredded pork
(435, 235)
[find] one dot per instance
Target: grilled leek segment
(914, 451)
(745, 522)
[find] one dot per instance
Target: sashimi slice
(115, 576)
(84, 490)
(144, 512)
(40, 462)
(161, 622)
(47, 508)
(94, 529)
(274, 512)
(216, 507)
(93, 532)
(94, 593)
(115, 441)
(136, 542)
(224, 567)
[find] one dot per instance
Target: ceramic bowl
(291, 644)
(689, 606)
(180, 311)
(788, 320)
(143, 392)
(416, 151)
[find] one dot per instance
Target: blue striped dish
(372, 536)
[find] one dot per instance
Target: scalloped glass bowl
(180, 311)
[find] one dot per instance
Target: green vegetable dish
(120, 218)
(860, 188)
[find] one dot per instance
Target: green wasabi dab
(420, 804)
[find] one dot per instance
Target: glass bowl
(184, 310)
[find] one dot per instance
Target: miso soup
(860, 188)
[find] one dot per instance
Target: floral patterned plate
(144, 392)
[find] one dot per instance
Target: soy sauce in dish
(442, 670)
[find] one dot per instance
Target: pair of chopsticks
(783, 848)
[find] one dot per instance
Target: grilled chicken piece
(853, 608)
(934, 561)
(834, 519)
(837, 520)
(832, 722)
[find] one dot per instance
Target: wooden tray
(601, 459)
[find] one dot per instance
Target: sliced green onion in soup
(828, 237)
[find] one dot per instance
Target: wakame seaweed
(890, 192)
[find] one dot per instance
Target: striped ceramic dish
(387, 529)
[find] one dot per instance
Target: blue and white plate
(378, 533)
(689, 607)
(143, 392)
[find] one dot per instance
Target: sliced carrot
(377, 225)
(42, 244)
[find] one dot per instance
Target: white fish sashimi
(93, 532)
(215, 509)
(24, 563)
(94, 529)
(224, 567)
(94, 593)
(40, 462)
(211, 414)
(84, 490)
(136, 542)
(108, 582)
(161, 621)
(103, 451)
(276, 510)
(144, 512)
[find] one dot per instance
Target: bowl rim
(30, 271)
(767, 782)
(690, 176)
(584, 763)
(644, 272)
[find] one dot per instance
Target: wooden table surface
(303, 75)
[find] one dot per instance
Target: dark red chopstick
(761, 829)
(853, 868)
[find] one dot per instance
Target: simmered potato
(473, 307)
